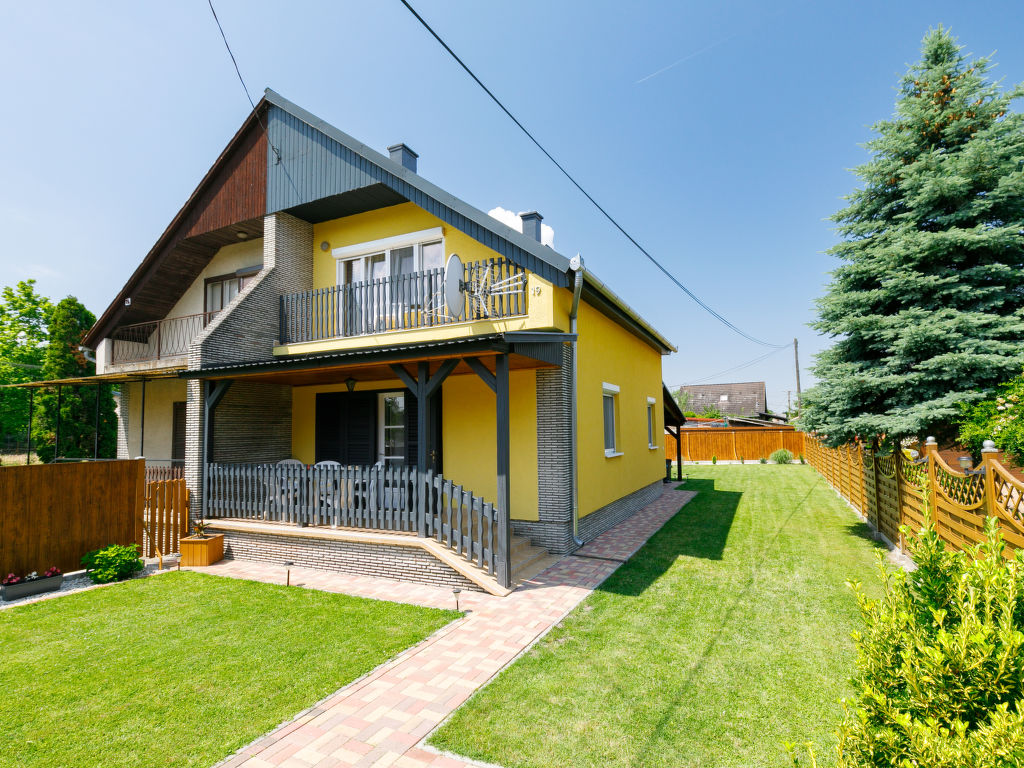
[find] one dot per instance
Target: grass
(727, 634)
(181, 669)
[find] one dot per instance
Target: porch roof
(525, 350)
(103, 378)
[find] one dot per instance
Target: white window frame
(386, 245)
(652, 422)
(611, 390)
(381, 397)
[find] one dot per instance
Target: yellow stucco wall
(607, 352)
(470, 438)
(160, 396)
(226, 261)
(467, 433)
(547, 305)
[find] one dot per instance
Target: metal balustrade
(495, 289)
(171, 337)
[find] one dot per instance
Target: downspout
(88, 354)
(576, 265)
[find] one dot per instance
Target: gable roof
(746, 398)
(312, 170)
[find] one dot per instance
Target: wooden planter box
(29, 588)
(202, 552)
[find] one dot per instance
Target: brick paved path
(381, 719)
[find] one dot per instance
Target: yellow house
(355, 369)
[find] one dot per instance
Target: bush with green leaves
(714, 459)
(112, 563)
(998, 418)
(940, 662)
(781, 456)
(763, 460)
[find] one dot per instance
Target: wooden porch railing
(382, 498)
(399, 302)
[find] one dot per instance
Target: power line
(586, 194)
(245, 88)
(735, 368)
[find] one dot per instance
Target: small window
(651, 402)
(221, 290)
(610, 407)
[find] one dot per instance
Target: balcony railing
(155, 340)
(494, 289)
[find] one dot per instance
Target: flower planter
(29, 588)
(202, 552)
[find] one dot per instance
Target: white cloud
(547, 234)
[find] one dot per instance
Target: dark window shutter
(411, 429)
(328, 426)
(178, 433)
(359, 429)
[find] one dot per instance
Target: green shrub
(996, 419)
(690, 414)
(940, 662)
(714, 459)
(781, 456)
(802, 459)
(711, 412)
(112, 563)
(763, 460)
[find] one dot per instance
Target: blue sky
(719, 134)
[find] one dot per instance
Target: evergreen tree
(23, 317)
(68, 324)
(928, 305)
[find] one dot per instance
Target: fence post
(990, 453)
(897, 463)
(931, 449)
(874, 484)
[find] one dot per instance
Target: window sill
(612, 454)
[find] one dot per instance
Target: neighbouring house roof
(316, 172)
(746, 398)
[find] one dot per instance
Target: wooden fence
(52, 514)
(734, 443)
(165, 517)
(889, 491)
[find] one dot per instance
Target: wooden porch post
(679, 451)
(214, 391)
(501, 392)
(422, 416)
(142, 422)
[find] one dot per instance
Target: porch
(363, 457)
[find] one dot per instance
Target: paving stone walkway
(382, 719)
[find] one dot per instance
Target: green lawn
(726, 635)
(181, 669)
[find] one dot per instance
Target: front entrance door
(391, 432)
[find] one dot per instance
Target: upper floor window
(390, 257)
(222, 289)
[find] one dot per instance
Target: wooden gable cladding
(236, 192)
(231, 198)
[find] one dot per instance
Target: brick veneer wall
(553, 528)
(122, 401)
(247, 329)
(392, 562)
(610, 515)
(253, 423)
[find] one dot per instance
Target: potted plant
(201, 549)
(13, 587)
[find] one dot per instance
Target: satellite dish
(454, 291)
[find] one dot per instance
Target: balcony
(157, 340)
(495, 289)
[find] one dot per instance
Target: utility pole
(789, 401)
(796, 359)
